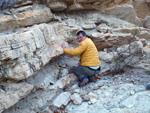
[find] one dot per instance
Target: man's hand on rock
(63, 46)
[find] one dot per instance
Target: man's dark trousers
(83, 71)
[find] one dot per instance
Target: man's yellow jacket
(87, 51)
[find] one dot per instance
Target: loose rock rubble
(115, 94)
(118, 97)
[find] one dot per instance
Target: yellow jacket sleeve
(77, 51)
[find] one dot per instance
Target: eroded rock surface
(31, 33)
(14, 92)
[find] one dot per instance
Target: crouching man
(89, 59)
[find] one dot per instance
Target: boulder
(34, 17)
(93, 98)
(63, 82)
(16, 91)
(107, 57)
(24, 19)
(29, 53)
(125, 12)
(62, 99)
(141, 6)
(110, 40)
(76, 99)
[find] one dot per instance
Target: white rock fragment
(92, 101)
(75, 86)
(76, 91)
(83, 92)
(96, 87)
(62, 99)
(76, 99)
(64, 72)
(63, 82)
(107, 57)
(132, 92)
(86, 98)
(93, 98)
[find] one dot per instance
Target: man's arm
(77, 51)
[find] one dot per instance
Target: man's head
(81, 35)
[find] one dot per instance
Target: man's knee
(76, 70)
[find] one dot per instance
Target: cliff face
(31, 32)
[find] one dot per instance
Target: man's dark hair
(81, 32)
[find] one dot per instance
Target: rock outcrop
(16, 91)
(31, 33)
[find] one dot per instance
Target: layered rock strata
(31, 33)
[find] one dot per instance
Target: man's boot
(84, 81)
(92, 79)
